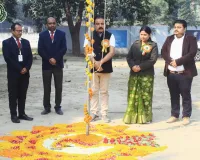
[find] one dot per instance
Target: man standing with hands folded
(178, 52)
(52, 47)
(18, 56)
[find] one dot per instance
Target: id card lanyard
(20, 57)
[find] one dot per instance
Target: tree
(63, 10)
(131, 11)
(180, 9)
(158, 11)
(9, 6)
(126, 12)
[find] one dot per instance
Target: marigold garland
(87, 117)
(89, 51)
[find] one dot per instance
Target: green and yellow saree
(140, 92)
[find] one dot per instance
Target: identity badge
(20, 58)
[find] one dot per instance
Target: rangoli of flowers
(69, 142)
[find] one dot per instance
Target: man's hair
(13, 26)
(49, 18)
(98, 17)
(180, 21)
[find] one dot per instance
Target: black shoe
(45, 112)
(25, 117)
(15, 119)
(59, 111)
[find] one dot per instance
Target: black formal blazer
(48, 49)
(11, 52)
(146, 62)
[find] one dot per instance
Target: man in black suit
(52, 47)
(18, 56)
(178, 52)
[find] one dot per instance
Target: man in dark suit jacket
(52, 47)
(18, 56)
(178, 52)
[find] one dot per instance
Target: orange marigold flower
(92, 41)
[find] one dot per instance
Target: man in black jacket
(52, 47)
(102, 67)
(178, 52)
(18, 56)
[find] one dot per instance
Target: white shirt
(16, 40)
(112, 41)
(53, 32)
(176, 52)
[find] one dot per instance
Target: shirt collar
(179, 38)
(16, 38)
(53, 32)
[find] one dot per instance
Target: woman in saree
(141, 59)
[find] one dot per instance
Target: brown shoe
(186, 120)
(172, 119)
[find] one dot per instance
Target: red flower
(112, 140)
(105, 140)
(32, 141)
(119, 141)
(35, 132)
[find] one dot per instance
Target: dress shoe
(59, 111)
(25, 117)
(15, 119)
(45, 112)
(172, 119)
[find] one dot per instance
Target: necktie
(18, 43)
(52, 36)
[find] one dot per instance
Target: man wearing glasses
(52, 47)
(18, 56)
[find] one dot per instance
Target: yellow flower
(90, 4)
(92, 20)
(86, 58)
(88, 1)
(93, 5)
(87, 15)
(87, 24)
(89, 9)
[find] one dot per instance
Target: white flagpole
(89, 70)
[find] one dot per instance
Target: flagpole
(88, 67)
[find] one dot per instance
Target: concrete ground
(182, 141)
